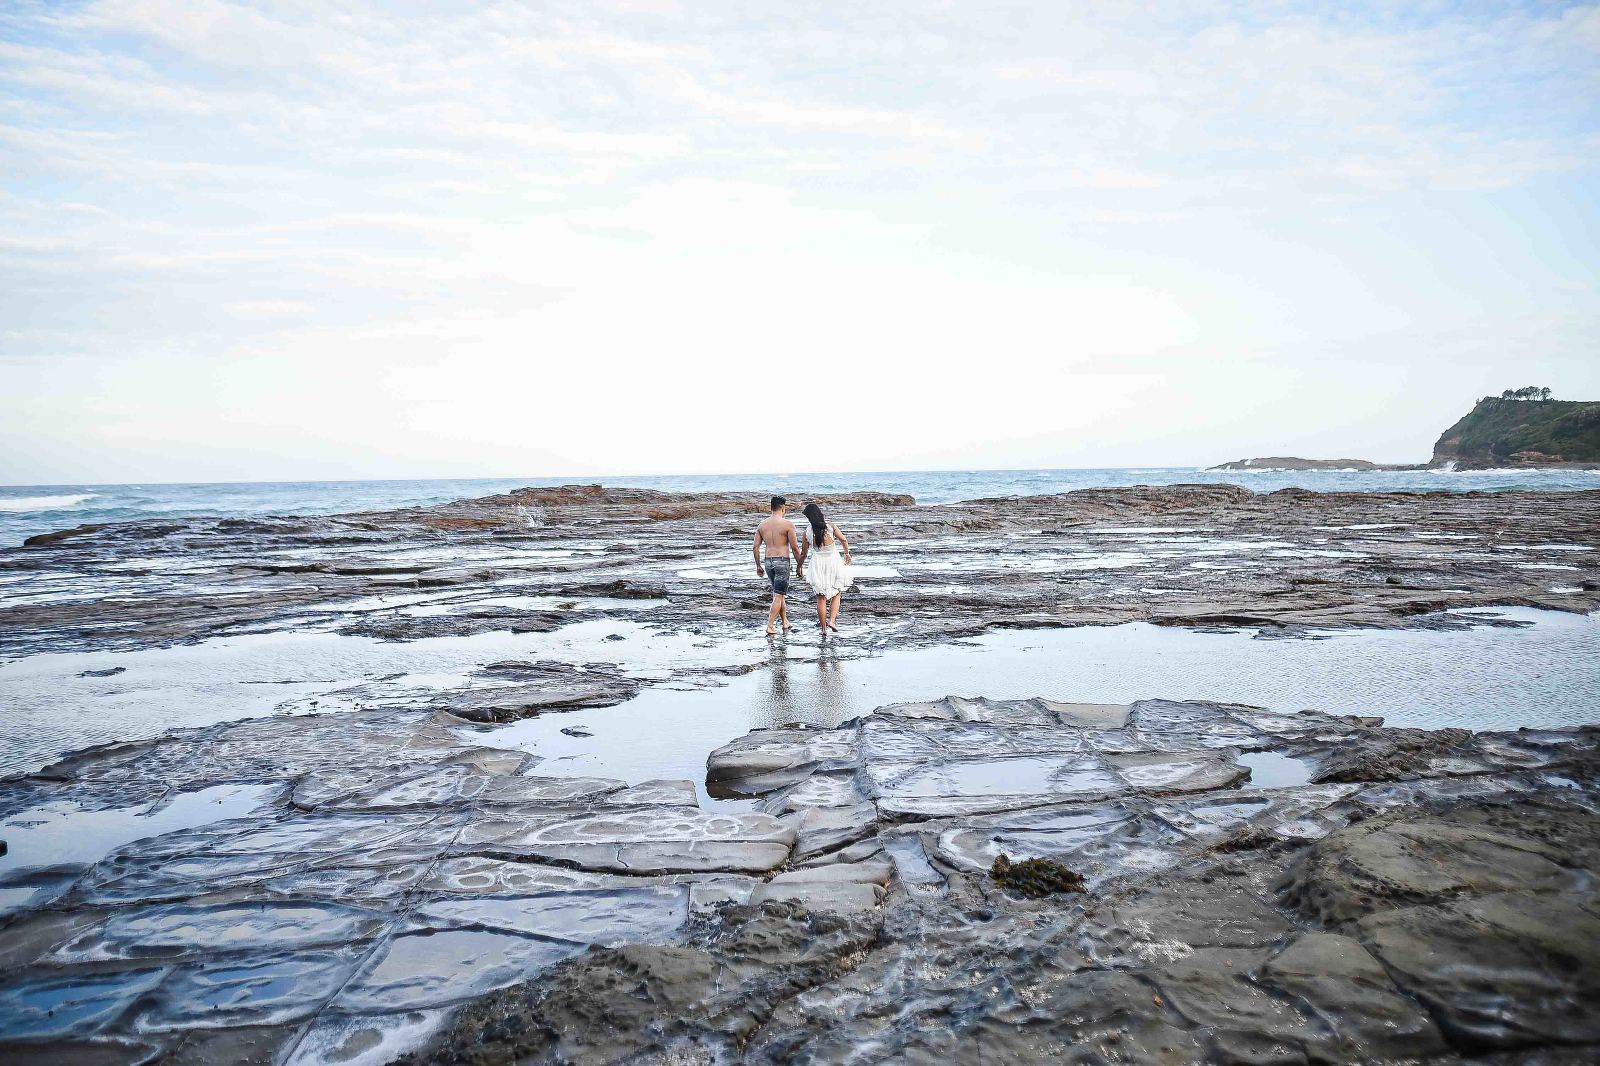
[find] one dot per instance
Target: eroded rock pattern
(400, 891)
(536, 559)
(1443, 916)
(395, 873)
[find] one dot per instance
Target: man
(776, 534)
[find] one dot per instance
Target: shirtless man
(776, 534)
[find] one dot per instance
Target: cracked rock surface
(395, 890)
(1443, 914)
(391, 873)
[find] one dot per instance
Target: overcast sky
(333, 240)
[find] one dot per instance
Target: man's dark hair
(777, 502)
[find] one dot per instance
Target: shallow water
(48, 708)
(43, 843)
(1269, 769)
(1547, 674)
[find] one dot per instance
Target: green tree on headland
(1504, 430)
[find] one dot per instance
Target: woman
(825, 558)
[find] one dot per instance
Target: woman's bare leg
(833, 619)
(822, 614)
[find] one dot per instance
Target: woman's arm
(843, 542)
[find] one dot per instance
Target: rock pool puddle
(1545, 673)
(54, 703)
(1486, 677)
(37, 837)
(64, 836)
(1270, 769)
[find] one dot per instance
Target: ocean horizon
(28, 510)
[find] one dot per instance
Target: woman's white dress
(827, 571)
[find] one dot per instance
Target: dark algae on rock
(1035, 878)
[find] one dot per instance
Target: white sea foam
(1512, 471)
(44, 503)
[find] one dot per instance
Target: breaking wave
(44, 503)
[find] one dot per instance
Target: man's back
(777, 535)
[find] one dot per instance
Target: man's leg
(774, 611)
(783, 615)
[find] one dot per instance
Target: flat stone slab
(390, 876)
(834, 897)
(970, 756)
(363, 908)
(644, 840)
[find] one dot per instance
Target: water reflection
(804, 686)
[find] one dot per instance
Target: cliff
(1507, 432)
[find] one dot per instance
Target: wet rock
(465, 624)
(71, 1006)
(1427, 858)
(173, 931)
(536, 688)
(1483, 910)
(399, 890)
(430, 968)
(1393, 755)
(1499, 971)
(1204, 555)
(971, 756)
(1346, 985)
(835, 897)
(265, 991)
(703, 998)
(656, 794)
(643, 840)
(110, 671)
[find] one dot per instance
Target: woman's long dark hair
(819, 524)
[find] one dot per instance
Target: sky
(343, 240)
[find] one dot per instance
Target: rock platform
(400, 891)
(540, 558)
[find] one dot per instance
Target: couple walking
(825, 547)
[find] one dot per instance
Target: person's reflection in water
(831, 706)
(821, 704)
(775, 707)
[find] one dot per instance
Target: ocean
(29, 509)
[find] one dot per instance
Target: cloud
(652, 199)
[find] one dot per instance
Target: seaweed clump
(1035, 878)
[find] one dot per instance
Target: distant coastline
(1518, 430)
(1294, 462)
